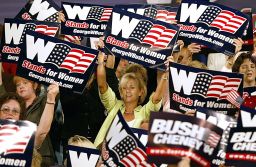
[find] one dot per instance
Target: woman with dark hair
(39, 109)
(12, 106)
(245, 65)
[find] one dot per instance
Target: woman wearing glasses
(34, 108)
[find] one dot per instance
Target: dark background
(9, 8)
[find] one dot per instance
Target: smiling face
(132, 89)
(10, 110)
(248, 69)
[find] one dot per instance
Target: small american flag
(43, 29)
(217, 86)
(212, 139)
(222, 19)
(99, 13)
(72, 59)
(130, 155)
(71, 38)
(12, 140)
(153, 34)
(234, 98)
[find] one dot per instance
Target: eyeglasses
(8, 110)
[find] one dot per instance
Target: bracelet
(50, 103)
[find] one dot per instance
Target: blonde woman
(133, 92)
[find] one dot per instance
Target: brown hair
(13, 96)
(38, 88)
(141, 83)
(239, 61)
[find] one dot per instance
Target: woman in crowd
(132, 91)
(12, 106)
(245, 64)
(36, 107)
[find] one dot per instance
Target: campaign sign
(173, 136)
(139, 39)
(84, 19)
(41, 10)
(249, 97)
(192, 87)
(121, 147)
(247, 117)
(81, 157)
(241, 147)
(17, 143)
(14, 34)
(46, 60)
(163, 13)
(210, 24)
(225, 123)
(141, 134)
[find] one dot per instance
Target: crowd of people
(66, 118)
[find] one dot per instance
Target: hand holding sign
(238, 44)
(61, 17)
(194, 48)
(52, 92)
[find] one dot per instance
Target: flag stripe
(228, 21)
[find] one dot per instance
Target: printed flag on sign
(132, 155)
(53, 18)
(163, 15)
(217, 86)
(212, 138)
(12, 140)
(43, 29)
(234, 98)
(153, 34)
(72, 59)
(222, 19)
(71, 38)
(123, 147)
(99, 13)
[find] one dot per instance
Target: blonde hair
(36, 159)
(198, 64)
(138, 70)
(80, 141)
(141, 84)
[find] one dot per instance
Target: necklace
(128, 112)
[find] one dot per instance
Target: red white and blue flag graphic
(160, 14)
(212, 139)
(153, 34)
(99, 13)
(13, 140)
(222, 19)
(128, 151)
(43, 29)
(234, 98)
(217, 86)
(72, 59)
